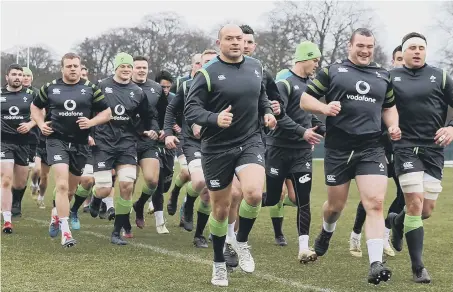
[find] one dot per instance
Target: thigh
(371, 162)
(20, 176)
(433, 159)
(126, 156)
(407, 161)
(338, 166)
(219, 168)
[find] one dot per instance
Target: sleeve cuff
(300, 131)
(212, 119)
(168, 132)
(268, 110)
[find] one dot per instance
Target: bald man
(231, 141)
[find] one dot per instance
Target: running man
(227, 98)
(16, 125)
(424, 92)
(359, 96)
(71, 102)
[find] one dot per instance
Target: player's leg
(301, 178)
(35, 169)
(251, 173)
(107, 209)
(7, 171)
(371, 178)
(231, 257)
(356, 234)
(44, 174)
(103, 182)
(182, 178)
(127, 174)
(198, 185)
(21, 171)
(337, 169)
(150, 165)
(277, 213)
(165, 178)
(82, 192)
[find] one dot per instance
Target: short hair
(397, 49)
(69, 56)
(83, 67)
(164, 75)
(361, 31)
(209, 52)
(140, 58)
(14, 66)
(413, 35)
(246, 29)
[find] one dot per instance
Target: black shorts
(192, 151)
(108, 160)
(72, 154)
(341, 166)
(32, 153)
(284, 161)
(219, 168)
(167, 162)
(390, 156)
(15, 152)
(148, 152)
(427, 159)
(41, 152)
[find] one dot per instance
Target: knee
(220, 211)
(87, 183)
(7, 181)
(373, 204)
(62, 187)
(126, 187)
(198, 184)
(428, 207)
(151, 181)
(253, 195)
(334, 207)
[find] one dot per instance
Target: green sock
(148, 191)
(249, 212)
(191, 192)
(412, 223)
(82, 192)
(277, 211)
(204, 208)
(122, 206)
(218, 228)
(178, 182)
(288, 202)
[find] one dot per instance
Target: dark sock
(96, 203)
(190, 201)
(175, 193)
(399, 220)
(263, 199)
(78, 201)
(359, 219)
(245, 226)
(18, 195)
(53, 203)
(127, 223)
(143, 199)
(119, 222)
(396, 207)
(414, 240)
(158, 200)
(202, 220)
(277, 223)
(218, 243)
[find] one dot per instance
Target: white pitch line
(198, 260)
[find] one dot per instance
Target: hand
(161, 136)
(84, 123)
(444, 136)
(46, 130)
(177, 129)
(270, 121)
(275, 107)
(332, 109)
(91, 141)
(171, 141)
(311, 136)
(196, 130)
(225, 118)
(24, 128)
(395, 133)
(151, 134)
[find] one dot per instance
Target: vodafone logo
(14, 110)
(70, 105)
(362, 87)
(119, 110)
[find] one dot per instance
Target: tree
(327, 23)
(445, 24)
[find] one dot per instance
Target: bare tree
(445, 24)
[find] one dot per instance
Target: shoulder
(211, 65)
(253, 61)
(283, 75)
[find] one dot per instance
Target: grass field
(32, 261)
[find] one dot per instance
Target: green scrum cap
(306, 51)
(27, 71)
(123, 58)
